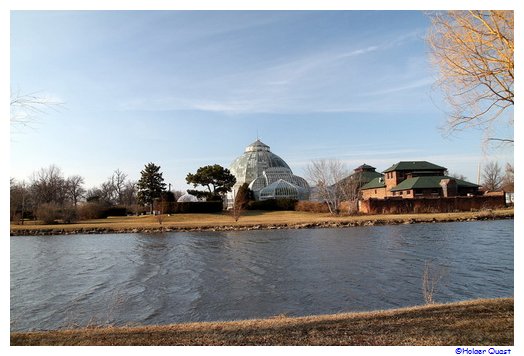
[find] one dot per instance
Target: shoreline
(471, 322)
(334, 222)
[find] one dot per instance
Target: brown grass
(252, 218)
(477, 322)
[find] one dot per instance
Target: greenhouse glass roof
(260, 168)
(256, 159)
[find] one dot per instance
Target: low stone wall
(431, 205)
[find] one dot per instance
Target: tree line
(49, 195)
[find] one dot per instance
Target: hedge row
(288, 204)
(311, 206)
(50, 213)
(272, 204)
(100, 211)
(194, 207)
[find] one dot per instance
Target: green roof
(375, 183)
(364, 167)
(362, 177)
(366, 176)
(428, 182)
(414, 166)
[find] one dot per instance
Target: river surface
(136, 279)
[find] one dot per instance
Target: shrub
(17, 219)
(69, 215)
(349, 207)
(114, 211)
(272, 204)
(196, 207)
(48, 213)
(312, 206)
(95, 210)
(91, 210)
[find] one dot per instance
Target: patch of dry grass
(477, 322)
(250, 218)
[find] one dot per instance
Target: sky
(185, 89)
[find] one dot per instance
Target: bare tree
(52, 196)
(25, 108)
(74, 188)
(160, 208)
(473, 51)
(458, 176)
(129, 193)
(492, 176)
(118, 180)
(115, 190)
(48, 185)
(324, 175)
(508, 181)
(351, 191)
(93, 195)
(19, 200)
(108, 194)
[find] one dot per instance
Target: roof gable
(364, 167)
(414, 166)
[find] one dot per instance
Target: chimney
(449, 187)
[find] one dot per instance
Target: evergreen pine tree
(151, 185)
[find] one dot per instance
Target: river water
(135, 279)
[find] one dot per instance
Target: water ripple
(175, 277)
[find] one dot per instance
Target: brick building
(416, 179)
(361, 175)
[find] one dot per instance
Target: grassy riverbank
(250, 220)
(477, 322)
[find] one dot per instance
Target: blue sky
(185, 89)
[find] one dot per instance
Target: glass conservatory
(282, 189)
(268, 175)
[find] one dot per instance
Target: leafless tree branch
(473, 51)
(25, 108)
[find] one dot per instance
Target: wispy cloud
(358, 52)
(418, 83)
(321, 80)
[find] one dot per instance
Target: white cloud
(424, 82)
(327, 80)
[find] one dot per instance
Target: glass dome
(256, 159)
(268, 175)
(282, 189)
(187, 198)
